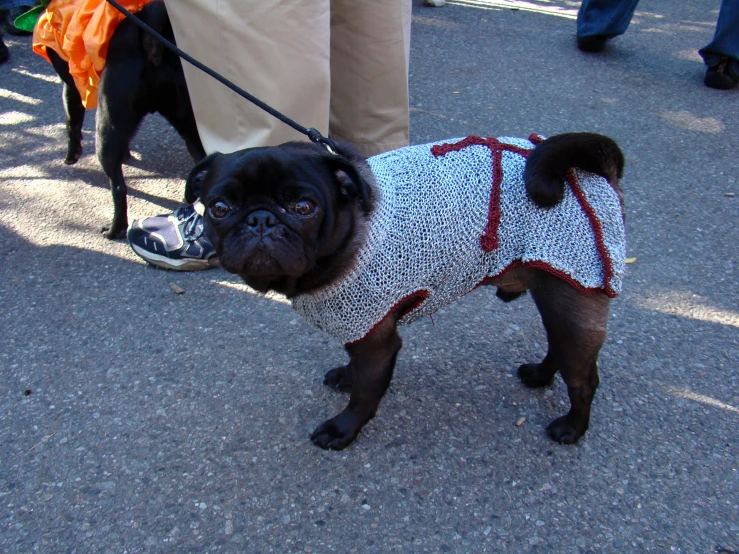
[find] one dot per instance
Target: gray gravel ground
(157, 422)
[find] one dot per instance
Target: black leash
(313, 134)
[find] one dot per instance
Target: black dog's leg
(74, 111)
(113, 133)
(116, 123)
(575, 323)
(372, 363)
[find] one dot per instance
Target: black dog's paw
(113, 234)
(73, 155)
(562, 431)
(340, 378)
(336, 433)
(535, 375)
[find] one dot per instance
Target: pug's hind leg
(372, 364)
(575, 323)
(340, 378)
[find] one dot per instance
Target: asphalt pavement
(135, 419)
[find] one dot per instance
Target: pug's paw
(338, 432)
(74, 153)
(340, 378)
(113, 233)
(563, 431)
(535, 375)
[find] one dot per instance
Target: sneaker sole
(185, 264)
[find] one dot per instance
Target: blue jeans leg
(8, 4)
(726, 39)
(606, 17)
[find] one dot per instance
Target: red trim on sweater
(536, 139)
(417, 297)
(489, 238)
(597, 230)
(554, 271)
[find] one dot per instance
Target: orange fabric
(79, 31)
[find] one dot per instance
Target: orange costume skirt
(79, 31)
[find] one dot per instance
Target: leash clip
(315, 136)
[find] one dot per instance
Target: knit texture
(451, 214)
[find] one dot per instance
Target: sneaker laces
(190, 230)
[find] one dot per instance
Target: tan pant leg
(276, 50)
(370, 51)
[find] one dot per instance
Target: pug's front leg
(372, 360)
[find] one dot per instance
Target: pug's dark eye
(219, 209)
(303, 207)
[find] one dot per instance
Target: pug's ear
(354, 186)
(196, 179)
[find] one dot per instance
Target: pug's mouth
(261, 264)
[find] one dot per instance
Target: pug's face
(284, 218)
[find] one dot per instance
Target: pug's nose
(261, 221)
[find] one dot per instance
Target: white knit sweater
(441, 226)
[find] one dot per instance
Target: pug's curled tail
(547, 166)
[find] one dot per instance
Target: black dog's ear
(196, 179)
(354, 185)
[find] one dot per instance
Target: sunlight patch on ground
(24, 171)
(10, 95)
(48, 78)
(15, 118)
(690, 306)
(673, 29)
(703, 399)
(546, 8)
(55, 211)
(689, 54)
(70, 212)
(243, 288)
(56, 131)
(686, 120)
(434, 22)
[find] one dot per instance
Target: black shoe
(4, 54)
(593, 43)
(724, 75)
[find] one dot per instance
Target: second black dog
(140, 77)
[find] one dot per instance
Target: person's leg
(370, 50)
(8, 4)
(722, 54)
(600, 20)
(9, 10)
(277, 51)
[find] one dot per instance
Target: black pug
(140, 77)
(361, 246)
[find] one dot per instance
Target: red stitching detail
(418, 298)
(597, 229)
(489, 239)
(536, 138)
(554, 271)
